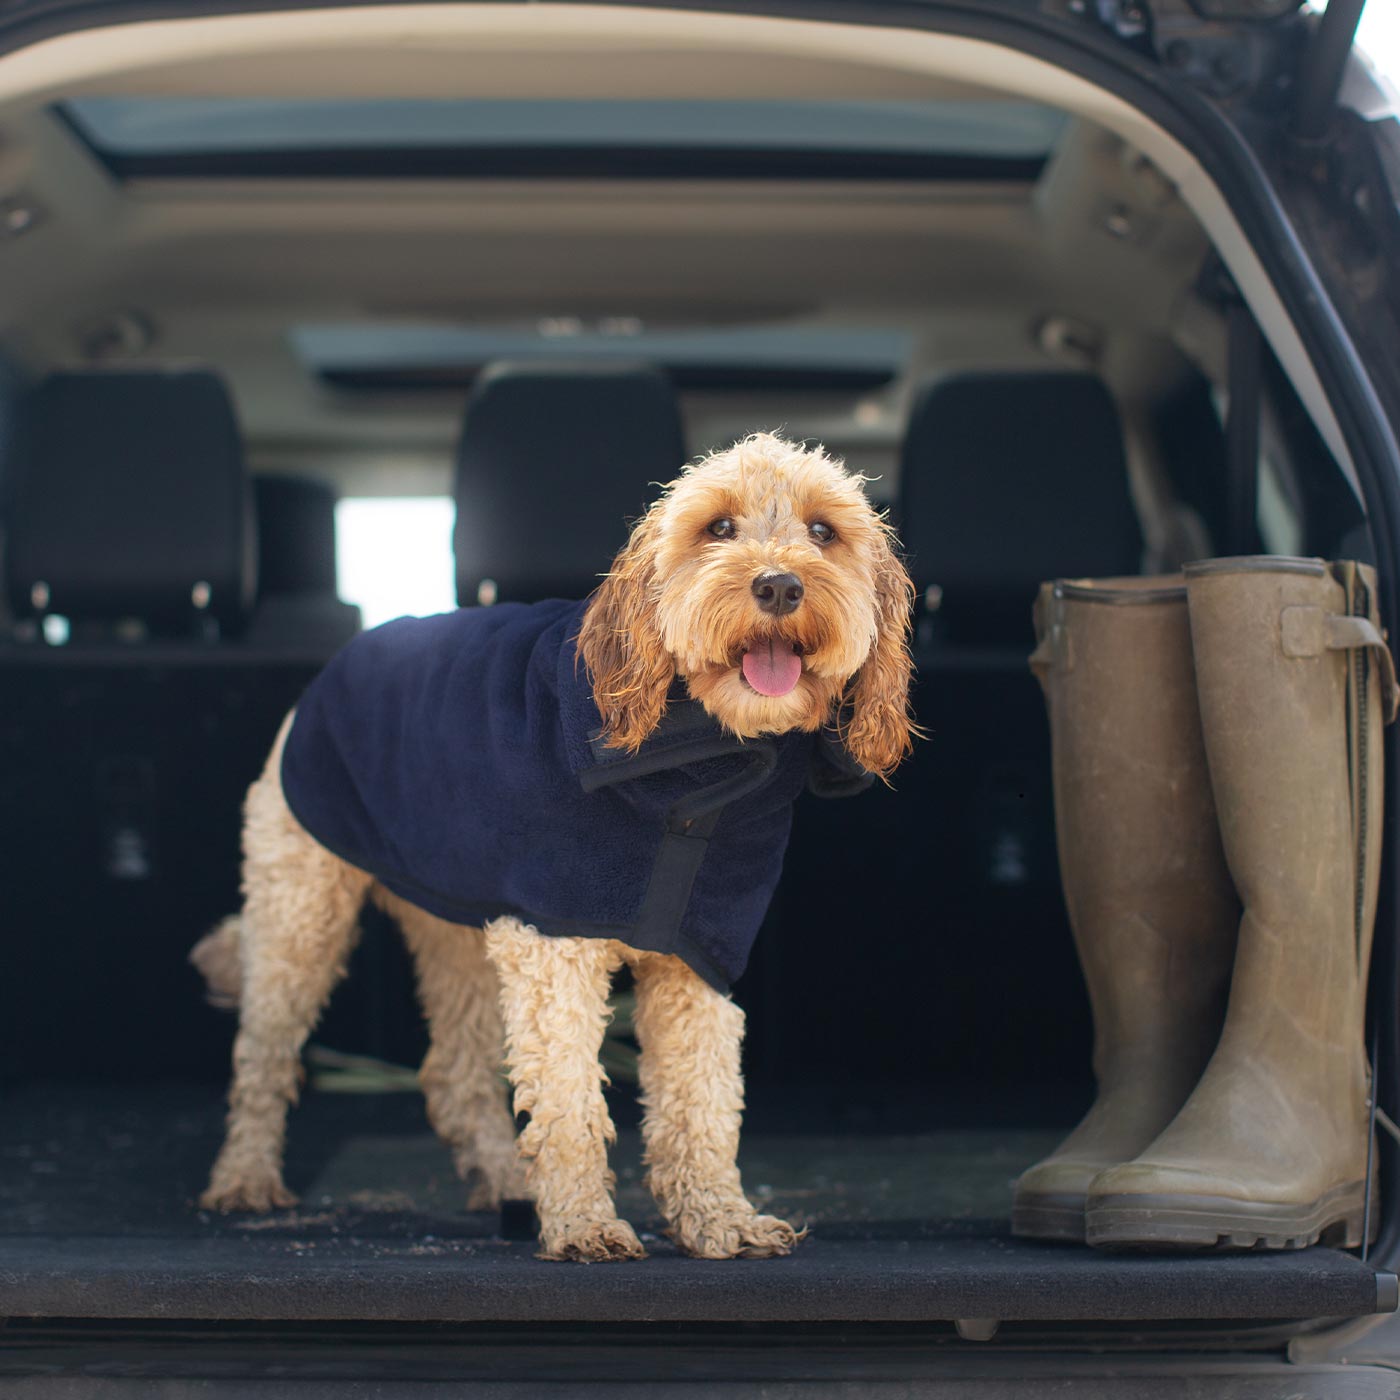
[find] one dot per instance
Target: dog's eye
(722, 529)
(821, 532)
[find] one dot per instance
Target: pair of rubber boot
(1217, 756)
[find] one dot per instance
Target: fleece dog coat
(457, 760)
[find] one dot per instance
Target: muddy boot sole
(1217, 1222)
(1049, 1215)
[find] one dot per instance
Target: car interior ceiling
(1032, 372)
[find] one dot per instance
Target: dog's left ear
(620, 643)
(879, 731)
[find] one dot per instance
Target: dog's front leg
(554, 1002)
(693, 1093)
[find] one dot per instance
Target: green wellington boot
(1150, 900)
(1272, 1148)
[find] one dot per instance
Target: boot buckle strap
(1309, 631)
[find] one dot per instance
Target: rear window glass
(393, 555)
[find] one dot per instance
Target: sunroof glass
(353, 346)
(408, 356)
(173, 126)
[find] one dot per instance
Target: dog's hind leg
(463, 1071)
(554, 996)
(693, 1095)
(301, 906)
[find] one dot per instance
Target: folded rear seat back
(127, 750)
(555, 460)
(1005, 478)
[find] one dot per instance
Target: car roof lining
(567, 50)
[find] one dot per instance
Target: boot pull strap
(1052, 645)
(1042, 659)
(1052, 653)
(1309, 631)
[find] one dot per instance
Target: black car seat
(128, 507)
(298, 606)
(126, 751)
(555, 460)
(1006, 479)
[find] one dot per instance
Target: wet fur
(677, 602)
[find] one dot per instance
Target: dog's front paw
(737, 1234)
(591, 1242)
(260, 1193)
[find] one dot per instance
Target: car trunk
(907, 1228)
(902, 1070)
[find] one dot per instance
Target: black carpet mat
(98, 1219)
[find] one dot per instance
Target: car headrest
(1007, 479)
(296, 535)
(127, 497)
(555, 460)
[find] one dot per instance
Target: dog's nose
(778, 594)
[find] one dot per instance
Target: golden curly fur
(679, 601)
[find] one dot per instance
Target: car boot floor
(99, 1218)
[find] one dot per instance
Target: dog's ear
(879, 730)
(620, 643)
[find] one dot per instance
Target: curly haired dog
(762, 591)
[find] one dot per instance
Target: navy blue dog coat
(457, 760)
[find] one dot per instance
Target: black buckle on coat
(686, 734)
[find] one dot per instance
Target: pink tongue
(773, 668)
